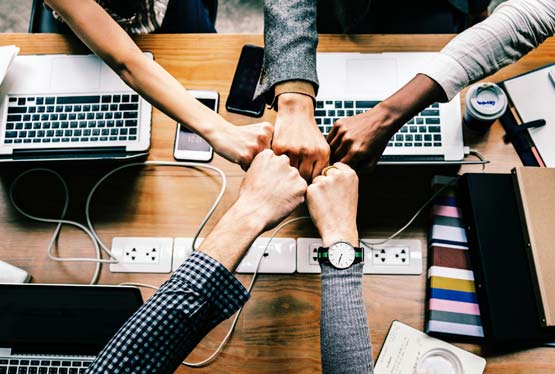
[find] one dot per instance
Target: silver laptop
(59, 329)
(351, 83)
(58, 107)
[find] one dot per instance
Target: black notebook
(508, 307)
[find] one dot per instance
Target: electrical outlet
(142, 255)
(390, 255)
(307, 250)
(280, 258)
(397, 256)
(313, 256)
(182, 249)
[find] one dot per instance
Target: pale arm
(94, 26)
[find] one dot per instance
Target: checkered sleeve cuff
(213, 282)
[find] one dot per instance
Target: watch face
(341, 255)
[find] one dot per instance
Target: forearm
(344, 333)
(197, 297)
(111, 43)
(514, 29)
(233, 234)
(411, 99)
(163, 91)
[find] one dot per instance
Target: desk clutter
(493, 280)
(490, 263)
(408, 350)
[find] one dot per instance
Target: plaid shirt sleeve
(197, 297)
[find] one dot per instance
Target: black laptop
(59, 329)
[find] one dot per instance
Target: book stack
(452, 309)
(510, 225)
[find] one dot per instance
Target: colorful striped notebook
(452, 308)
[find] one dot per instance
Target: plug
(13, 274)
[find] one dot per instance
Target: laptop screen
(68, 320)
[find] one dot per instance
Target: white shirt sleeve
(514, 29)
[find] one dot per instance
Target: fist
(240, 144)
(332, 203)
(273, 187)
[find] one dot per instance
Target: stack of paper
(7, 55)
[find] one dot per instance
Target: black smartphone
(245, 80)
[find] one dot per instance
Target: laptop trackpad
(76, 73)
(371, 78)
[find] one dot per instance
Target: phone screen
(245, 80)
(188, 140)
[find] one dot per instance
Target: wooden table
(279, 329)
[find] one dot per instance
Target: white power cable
(60, 222)
(90, 231)
(398, 232)
(158, 163)
(97, 241)
(224, 341)
(480, 156)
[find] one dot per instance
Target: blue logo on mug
(487, 102)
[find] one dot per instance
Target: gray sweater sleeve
(344, 334)
(290, 40)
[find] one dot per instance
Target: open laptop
(59, 329)
(67, 107)
(351, 83)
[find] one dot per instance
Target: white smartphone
(188, 145)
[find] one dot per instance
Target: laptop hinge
(66, 151)
(5, 351)
(400, 158)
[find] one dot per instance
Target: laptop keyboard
(424, 130)
(14, 366)
(60, 120)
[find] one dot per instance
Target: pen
(552, 76)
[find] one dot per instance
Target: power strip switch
(280, 258)
(397, 256)
(142, 255)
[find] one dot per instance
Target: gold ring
(326, 169)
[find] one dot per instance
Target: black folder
(504, 287)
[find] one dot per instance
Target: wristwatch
(341, 255)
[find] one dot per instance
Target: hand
(332, 203)
(241, 144)
(297, 136)
(360, 140)
(272, 188)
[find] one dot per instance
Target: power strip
(182, 249)
(280, 258)
(397, 256)
(284, 256)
